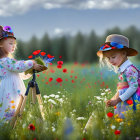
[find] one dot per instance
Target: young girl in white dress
(11, 82)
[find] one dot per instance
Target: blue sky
(67, 16)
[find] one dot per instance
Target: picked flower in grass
(50, 79)
(31, 127)
(59, 66)
(60, 62)
(110, 114)
(117, 132)
(80, 118)
(41, 58)
(115, 107)
(59, 80)
(64, 70)
(130, 102)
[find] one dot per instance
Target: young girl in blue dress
(11, 83)
(115, 52)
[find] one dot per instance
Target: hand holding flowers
(114, 102)
(40, 62)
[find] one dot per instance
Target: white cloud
(14, 7)
(61, 32)
(58, 31)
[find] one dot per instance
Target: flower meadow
(71, 94)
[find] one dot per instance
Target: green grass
(68, 106)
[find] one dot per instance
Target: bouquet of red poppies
(41, 58)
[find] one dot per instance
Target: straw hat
(6, 31)
(115, 41)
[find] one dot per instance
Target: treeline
(79, 48)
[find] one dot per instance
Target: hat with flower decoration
(6, 31)
(115, 41)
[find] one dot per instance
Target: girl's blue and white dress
(11, 85)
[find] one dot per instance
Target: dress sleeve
(132, 79)
(16, 66)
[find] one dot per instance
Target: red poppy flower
(109, 114)
(72, 71)
(36, 52)
(60, 56)
(30, 56)
(38, 75)
(75, 77)
(42, 53)
(31, 127)
(115, 107)
(50, 79)
(66, 79)
(130, 102)
(52, 71)
(59, 80)
(60, 62)
(50, 56)
(72, 81)
(117, 132)
(59, 66)
(50, 63)
(64, 70)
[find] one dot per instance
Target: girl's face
(9, 45)
(116, 57)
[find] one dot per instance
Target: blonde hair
(3, 53)
(103, 60)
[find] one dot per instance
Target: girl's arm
(16, 66)
(115, 96)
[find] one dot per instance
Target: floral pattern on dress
(11, 85)
(132, 76)
(14, 65)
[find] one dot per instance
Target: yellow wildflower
(116, 116)
(12, 101)
(129, 123)
(119, 120)
(57, 113)
(13, 106)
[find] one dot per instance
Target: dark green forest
(79, 48)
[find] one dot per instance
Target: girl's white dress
(11, 85)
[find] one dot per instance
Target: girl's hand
(38, 67)
(108, 103)
(113, 102)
